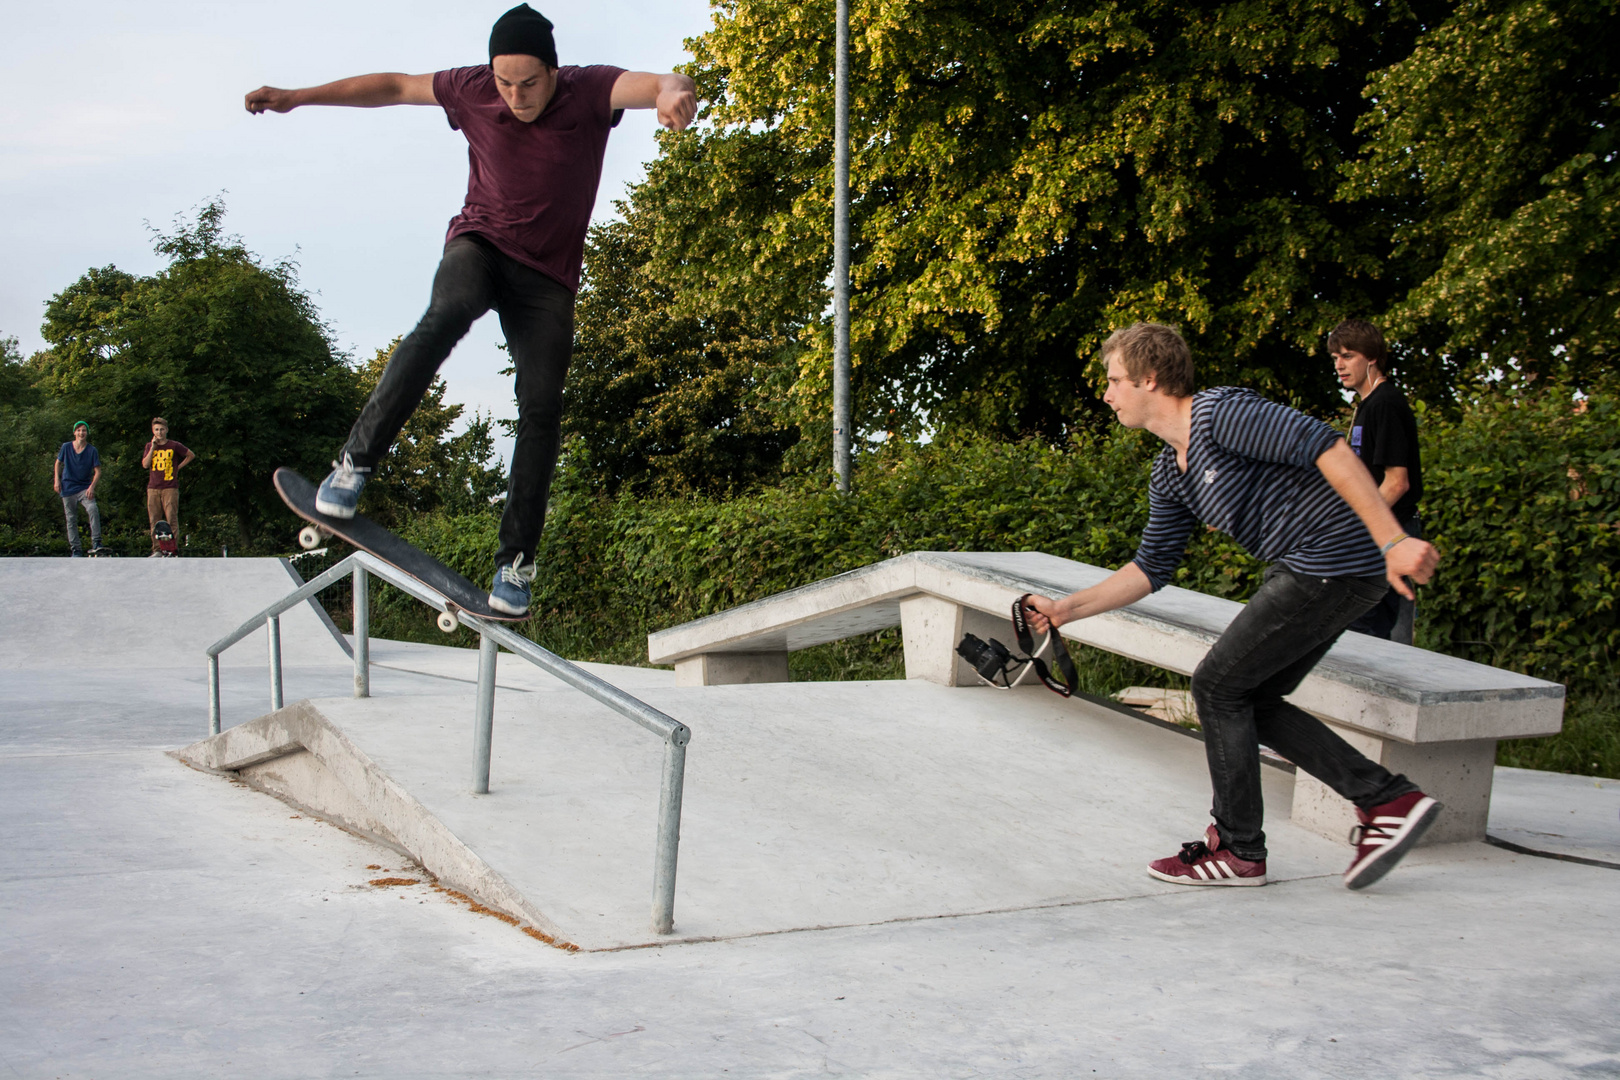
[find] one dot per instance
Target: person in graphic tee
(1383, 433)
(163, 459)
(536, 133)
(1289, 490)
(77, 471)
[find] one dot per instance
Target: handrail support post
(484, 713)
(213, 695)
(669, 833)
(273, 625)
(362, 633)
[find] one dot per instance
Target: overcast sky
(112, 115)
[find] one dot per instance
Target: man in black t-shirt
(1383, 433)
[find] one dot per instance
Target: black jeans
(537, 316)
(1239, 687)
(1392, 617)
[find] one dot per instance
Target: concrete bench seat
(1434, 717)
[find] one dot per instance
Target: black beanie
(523, 31)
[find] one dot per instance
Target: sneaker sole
(504, 608)
(1375, 866)
(1176, 879)
(334, 510)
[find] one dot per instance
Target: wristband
(1385, 549)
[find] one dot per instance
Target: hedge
(1521, 497)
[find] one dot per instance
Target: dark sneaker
(1386, 834)
(339, 493)
(510, 593)
(1205, 862)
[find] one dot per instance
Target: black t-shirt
(1384, 433)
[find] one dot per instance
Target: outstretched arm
(362, 91)
(1410, 558)
(1122, 588)
(674, 96)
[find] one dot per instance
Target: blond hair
(1156, 351)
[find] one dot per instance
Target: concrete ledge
(1433, 716)
(296, 754)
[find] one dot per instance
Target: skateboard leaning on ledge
(460, 594)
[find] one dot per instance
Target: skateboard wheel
(309, 538)
(448, 621)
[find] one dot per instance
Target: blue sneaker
(339, 493)
(510, 593)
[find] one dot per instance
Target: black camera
(989, 659)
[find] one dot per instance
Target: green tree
(231, 351)
(32, 428)
(429, 470)
(1497, 136)
(666, 399)
(1027, 177)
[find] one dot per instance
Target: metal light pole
(841, 403)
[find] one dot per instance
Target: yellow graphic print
(163, 461)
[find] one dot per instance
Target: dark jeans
(1393, 616)
(1239, 687)
(537, 316)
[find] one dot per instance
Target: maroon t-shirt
(166, 461)
(531, 187)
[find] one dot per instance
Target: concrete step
(122, 613)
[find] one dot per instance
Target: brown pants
(163, 504)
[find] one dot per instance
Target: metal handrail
(492, 635)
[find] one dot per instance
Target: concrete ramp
(807, 804)
(120, 613)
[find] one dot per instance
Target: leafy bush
(1522, 498)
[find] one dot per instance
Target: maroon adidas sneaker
(1386, 834)
(1205, 862)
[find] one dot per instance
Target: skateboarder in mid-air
(536, 133)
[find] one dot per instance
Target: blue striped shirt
(1251, 473)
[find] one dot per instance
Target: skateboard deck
(164, 535)
(460, 594)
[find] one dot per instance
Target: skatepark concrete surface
(972, 858)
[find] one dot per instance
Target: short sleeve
(450, 89)
(594, 83)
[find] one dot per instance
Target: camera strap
(1060, 652)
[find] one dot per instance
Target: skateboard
(460, 594)
(102, 552)
(164, 535)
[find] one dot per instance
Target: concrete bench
(1434, 717)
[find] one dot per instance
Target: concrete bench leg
(726, 668)
(1459, 774)
(931, 628)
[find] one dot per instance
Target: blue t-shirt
(77, 469)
